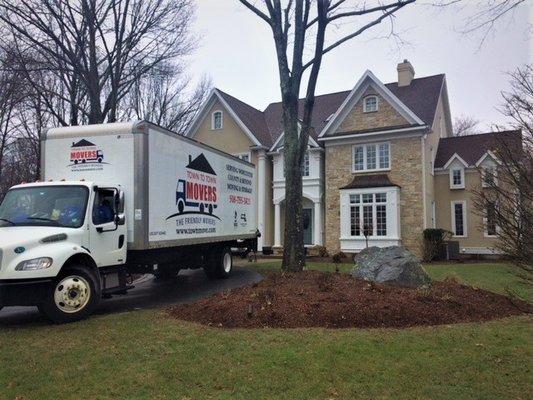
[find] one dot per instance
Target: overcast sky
(237, 52)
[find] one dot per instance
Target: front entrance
(308, 225)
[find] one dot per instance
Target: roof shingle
(421, 96)
(472, 147)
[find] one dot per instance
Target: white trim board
(368, 79)
(213, 96)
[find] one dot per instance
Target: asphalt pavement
(190, 285)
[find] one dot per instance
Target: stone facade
(406, 171)
(358, 120)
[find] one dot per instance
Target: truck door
(108, 242)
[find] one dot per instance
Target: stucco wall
(406, 171)
(230, 139)
(444, 196)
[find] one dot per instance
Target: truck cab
(59, 245)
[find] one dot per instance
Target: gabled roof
(369, 79)
(420, 98)
(472, 148)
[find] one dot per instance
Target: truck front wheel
(220, 264)
(73, 296)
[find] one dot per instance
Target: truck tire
(73, 296)
(220, 264)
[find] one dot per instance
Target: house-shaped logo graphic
(197, 191)
(84, 151)
(201, 164)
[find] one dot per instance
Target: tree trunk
(293, 251)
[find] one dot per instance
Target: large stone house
(381, 161)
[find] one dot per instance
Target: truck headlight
(34, 263)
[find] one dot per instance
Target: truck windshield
(62, 206)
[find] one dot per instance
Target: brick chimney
(406, 73)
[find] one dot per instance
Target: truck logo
(197, 191)
(85, 152)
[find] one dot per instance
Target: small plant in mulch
(338, 257)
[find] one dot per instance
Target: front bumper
(23, 292)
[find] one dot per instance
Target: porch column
(277, 225)
(318, 224)
(261, 197)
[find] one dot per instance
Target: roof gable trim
(215, 95)
(455, 156)
(357, 92)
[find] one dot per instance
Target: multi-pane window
(368, 214)
(216, 122)
(305, 166)
(371, 157)
(370, 104)
(457, 178)
(384, 156)
(459, 223)
(490, 219)
(358, 158)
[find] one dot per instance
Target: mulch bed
(318, 299)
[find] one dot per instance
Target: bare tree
(97, 49)
(487, 14)
(506, 202)
(464, 125)
(11, 95)
(296, 26)
(163, 97)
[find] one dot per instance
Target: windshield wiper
(8, 221)
(44, 219)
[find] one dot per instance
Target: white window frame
(365, 108)
(239, 155)
(485, 230)
(462, 172)
(392, 209)
(365, 169)
(213, 120)
(306, 162)
(465, 224)
(483, 173)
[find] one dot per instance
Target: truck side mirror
(119, 201)
(120, 218)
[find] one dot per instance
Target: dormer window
(457, 178)
(217, 120)
(489, 177)
(370, 104)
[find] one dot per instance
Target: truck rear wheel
(73, 296)
(220, 264)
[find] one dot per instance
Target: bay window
(371, 157)
(372, 214)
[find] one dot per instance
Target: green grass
(145, 355)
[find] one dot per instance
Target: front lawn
(146, 355)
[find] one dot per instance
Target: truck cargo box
(177, 191)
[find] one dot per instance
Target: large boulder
(393, 265)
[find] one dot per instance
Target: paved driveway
(148, 293)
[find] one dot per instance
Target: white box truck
(120, 199)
